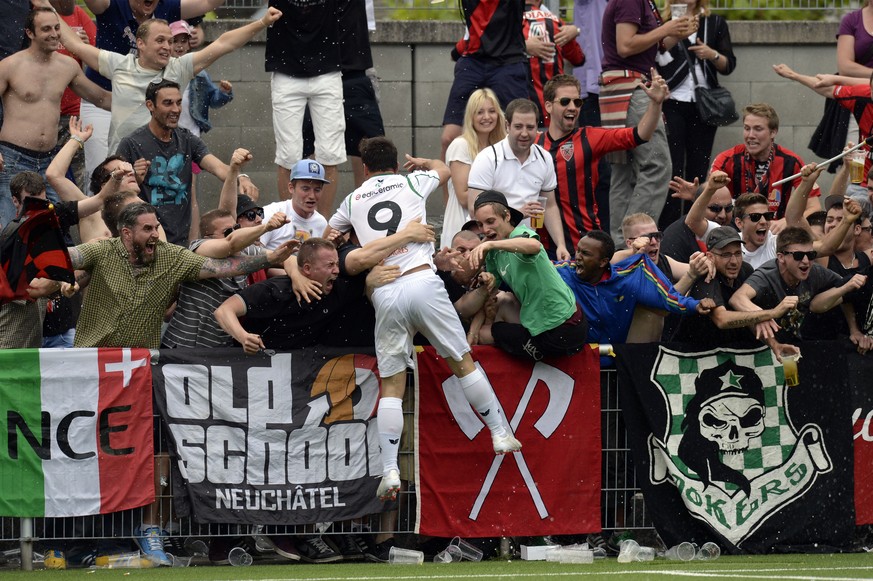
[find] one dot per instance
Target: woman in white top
(484, 125)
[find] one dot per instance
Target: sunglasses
(251, 215)
(729, 255)
(866, 228)
(756, 216)
(229, 231)
(717, 208)
(799, 254)
(650, 235)
(564, 101)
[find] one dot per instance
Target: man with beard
(133, 279)
(793, 272)
(576, 151)
(609, 293)
(32, 82)
(724, 326)
(162, 154)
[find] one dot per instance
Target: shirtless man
(32, 82)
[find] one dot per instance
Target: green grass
(771, 567)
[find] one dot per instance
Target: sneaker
(285, 547)
(597, 543)
(347, 546)
(613, 542)
(505, 444)
(55, 559)
(390, 485)
(378, 553)
(313, 549)
(175, 546)
(151, 543)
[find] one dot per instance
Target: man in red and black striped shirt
(758, 162)
(576, 151)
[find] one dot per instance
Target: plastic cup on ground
(468, 551)
(179, 561)
(708, 552)
(451, 554)
(239, 558)
(646, 554)
(627, 551)
(398, 556)
(678, 10)
(196, 547)
(789, 367)
(681, 552)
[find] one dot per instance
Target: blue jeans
(64, 339)
(15, 160)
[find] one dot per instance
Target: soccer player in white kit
(416, 301)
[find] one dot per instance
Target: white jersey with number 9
(384, 205)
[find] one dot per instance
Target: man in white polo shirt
(523, 171)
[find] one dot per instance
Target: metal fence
(622, 504)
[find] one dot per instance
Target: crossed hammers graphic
(560, 386)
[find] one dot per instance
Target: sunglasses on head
(564, 101)
(229, 231)
(799, 254)
(717, 208)
(251, 215)
(756, 216)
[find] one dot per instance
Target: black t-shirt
(679, 242)
(699, 329)
(167, 185)
(273, 312)
(305, 42)
(832, 324)
(354, 35)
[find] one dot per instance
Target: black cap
(244, 204)
(515, 217)
(721, 237)
(832, 201)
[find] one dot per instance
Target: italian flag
(75, 431)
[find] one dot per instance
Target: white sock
(478, 392)
(390, 422)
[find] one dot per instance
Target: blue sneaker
(151, 543)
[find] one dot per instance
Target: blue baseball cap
(307, 169)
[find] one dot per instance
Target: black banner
(283, 439)
(724, 451)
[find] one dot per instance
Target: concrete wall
(412, 61)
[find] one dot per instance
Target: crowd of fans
(534, 258)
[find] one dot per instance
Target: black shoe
(313, 549)
(284, 547)
(175, 546)
(347, 546)
(378, 553)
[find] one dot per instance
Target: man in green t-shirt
(540, 318)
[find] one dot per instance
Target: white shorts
(415, 302)
(324, 94)
(97, 147)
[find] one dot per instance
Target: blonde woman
(484, 125)
(689, 138)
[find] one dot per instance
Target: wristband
(242, 175)
(78, 140)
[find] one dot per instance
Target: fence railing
(622, 504)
